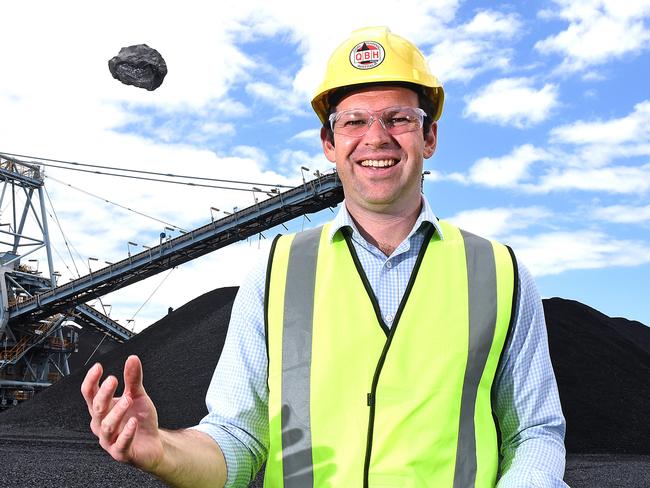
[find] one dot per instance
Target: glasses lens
(396, 120)
(351, 122)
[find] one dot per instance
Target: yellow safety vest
(353, 403)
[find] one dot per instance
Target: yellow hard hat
(376, 55)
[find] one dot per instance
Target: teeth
(378, 163)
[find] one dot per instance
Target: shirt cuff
(530, 478)
(238, 458)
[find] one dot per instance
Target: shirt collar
(344, 219)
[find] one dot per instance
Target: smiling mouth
(378, 163)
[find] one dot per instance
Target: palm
(127, 426)
(146, 448)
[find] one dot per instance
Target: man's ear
(430, 141)
(328, 145)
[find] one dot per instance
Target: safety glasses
(395, 120)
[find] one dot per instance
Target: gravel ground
(36, 463)
(607, 471)
(40, 463)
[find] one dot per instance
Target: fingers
(110, 425)
(90, 385)
(123, 442)
(133, 377)
(102, 403)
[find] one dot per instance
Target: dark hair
(424, 102)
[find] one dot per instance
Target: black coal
(602, 366)
(140, 66)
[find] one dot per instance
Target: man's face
(380, 172)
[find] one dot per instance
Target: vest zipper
(372, 396)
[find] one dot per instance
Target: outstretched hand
(126, 426)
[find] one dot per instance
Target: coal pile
(91, 345)
(602, 366)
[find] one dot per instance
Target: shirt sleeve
(527, 403)
(237, 398)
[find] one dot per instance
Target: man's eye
(398, 120)
(354, 123)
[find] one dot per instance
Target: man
(385, 349)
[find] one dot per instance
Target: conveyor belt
(325, 191)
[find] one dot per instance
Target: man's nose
(377, 134)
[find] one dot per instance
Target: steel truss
(34, 353)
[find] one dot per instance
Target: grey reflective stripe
(482, 297)
(297, 461)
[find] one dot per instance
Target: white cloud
(281, 97)
(600, 142)
(251, 152)
(309, 138)
(598, 31)
(494, 223)
(489, 22)
(309, 135)
(212, 128)
(508, 170)
(596, 144)
(290, 161)
(634, 127)
(622, 214)
(474, 47)
(512, 101)
(598, 155)
(552, 253)
(462, 60)
(587, 166)
(612, 179)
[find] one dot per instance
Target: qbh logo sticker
(366, 55)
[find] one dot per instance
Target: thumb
(133, 377)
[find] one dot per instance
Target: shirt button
(389, 318)
(389, 264)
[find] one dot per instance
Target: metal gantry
(34, 353)
(33, 322)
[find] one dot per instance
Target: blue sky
(544, 142)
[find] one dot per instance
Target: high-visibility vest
(353, 403)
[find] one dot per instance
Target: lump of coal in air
(140, 66)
